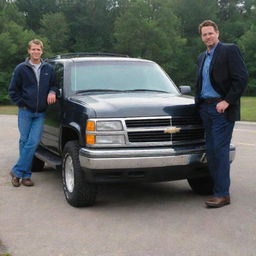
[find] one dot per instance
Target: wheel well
(67, 135)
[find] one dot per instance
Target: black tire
(202, 186)
(77, 191)
(37, 165)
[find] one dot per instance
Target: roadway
(165, 219)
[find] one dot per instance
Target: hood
(136, 104)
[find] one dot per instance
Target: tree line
(165, 31)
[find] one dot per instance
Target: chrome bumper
(131, 158)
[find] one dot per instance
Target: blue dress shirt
(207, 89)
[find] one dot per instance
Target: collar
(35, 65)
(28, 63)
(211, 52)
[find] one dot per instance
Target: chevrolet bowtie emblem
(172, 130)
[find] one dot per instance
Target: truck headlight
(109, 126)
(104, 132)
(110, 139)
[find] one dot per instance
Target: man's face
(209, 36)
(35, 52)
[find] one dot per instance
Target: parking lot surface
(165, 219)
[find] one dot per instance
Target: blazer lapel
(216, 51)
(201, 62)
(200, 68)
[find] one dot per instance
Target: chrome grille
(152, 136)
(177, 121)
(147, 123)
(151, 130)
(192, 134)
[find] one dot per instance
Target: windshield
(119, 76)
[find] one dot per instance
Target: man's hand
(222, 106)
(51, 98)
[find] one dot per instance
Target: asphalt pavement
(163, 219)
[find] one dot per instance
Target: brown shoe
(217, 202)
(27, 182)
(15, 180)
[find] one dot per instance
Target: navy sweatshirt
(25, 91)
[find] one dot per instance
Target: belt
(211, 100)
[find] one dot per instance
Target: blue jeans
(30, 127)
(218, 134)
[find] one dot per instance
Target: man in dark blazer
(221, 79)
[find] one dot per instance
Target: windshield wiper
(97, 90)
(145, 90)
(111, 90)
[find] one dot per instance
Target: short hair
(207, 23)
(35, 41)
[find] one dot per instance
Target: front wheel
(77, 191)
(202, 186)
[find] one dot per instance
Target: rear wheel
(37, 165)
(202, 186)
(77, 191)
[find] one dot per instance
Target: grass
(8, 110)
(248, 109)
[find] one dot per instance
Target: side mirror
(185, 89)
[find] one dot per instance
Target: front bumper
(135, 158)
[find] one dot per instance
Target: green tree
(54, 27)
(162, 30)
(248, 46)
(228, 9)
(149, 29)
(13, 39)
(231, 20)
(191, 14)
(9, 11)
(91, 28)
(35, 9)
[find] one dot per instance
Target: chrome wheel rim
(69, 174)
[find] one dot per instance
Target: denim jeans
(218, 132)
(30, 127)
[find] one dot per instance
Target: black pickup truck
(120, 119)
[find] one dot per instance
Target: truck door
(51, 132)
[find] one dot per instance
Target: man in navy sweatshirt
(32, 89)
